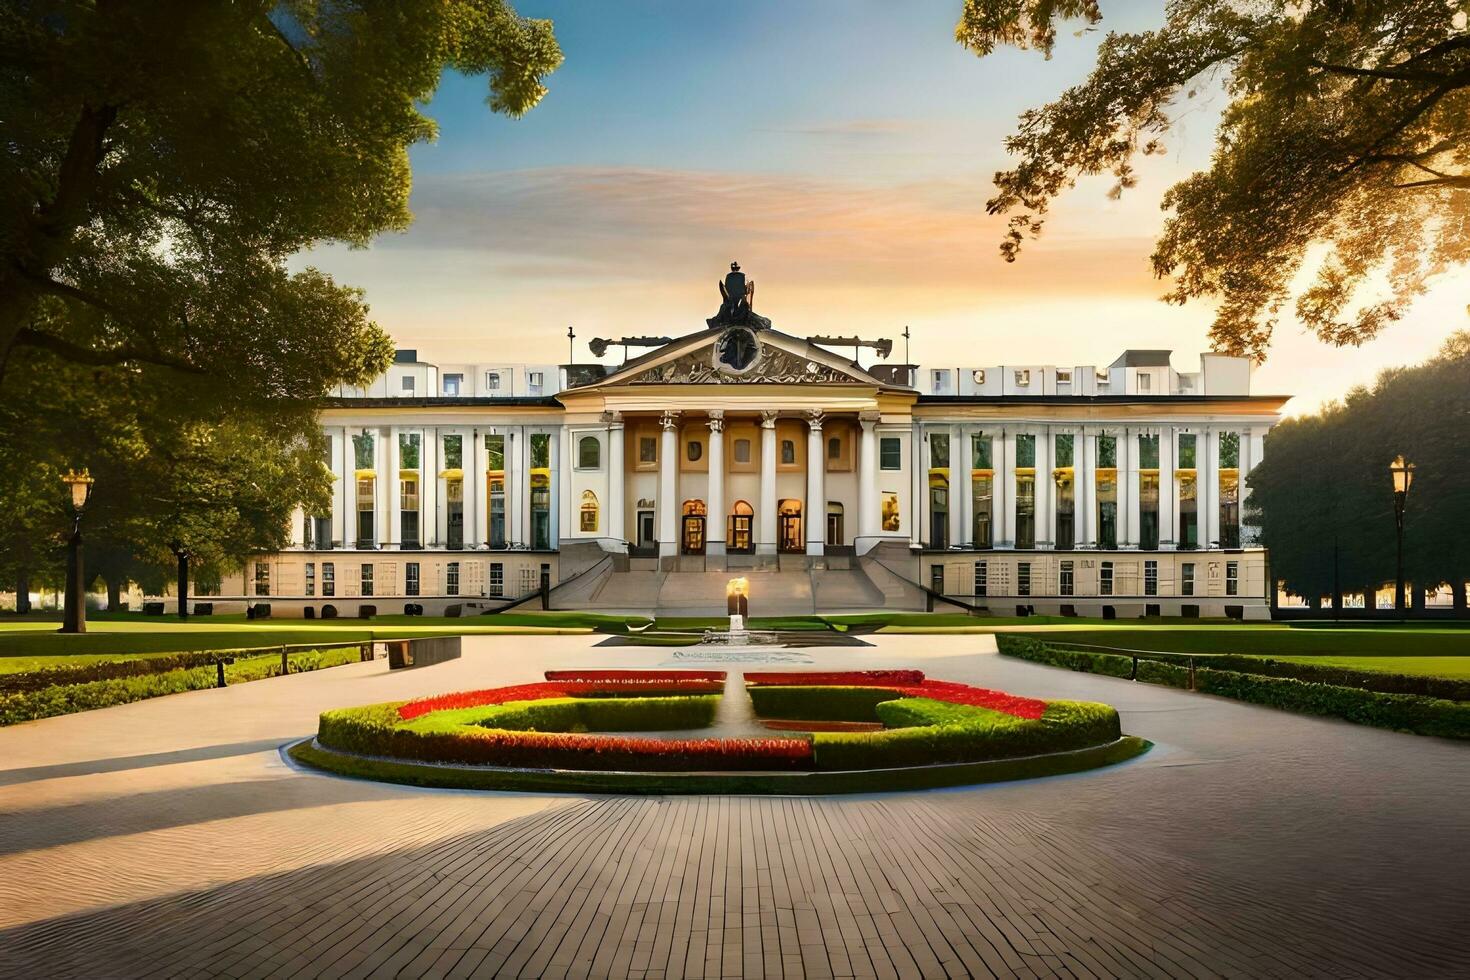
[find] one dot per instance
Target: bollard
(220, 666)
(1191, 674)
(1134, 675)
(285, 667)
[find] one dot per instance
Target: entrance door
(646, 536)
(834, 525)
(691, 540)
(791, 539)
(741, 539)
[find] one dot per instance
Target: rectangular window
(453, 452)
(648, 449)
(981, 489)
(1145, 382)
(1064, 444)
(890, 453)
(980, 451)
(452, 384)
(497, 578)
(454, 512)
(742, 450)
(367, 531)
(1023, 377)
(408, 384)
(534, 381)
(408, 505)
(311, 578)
(540, 491)
(1064, 377)
(1186, 451)
(1066, 583)
(1148, 510)
(496, 487)
(411, 578)
(1023, 578)
(1148, 452)
(1107, 512)
(329, 579)
(1186, 578)
(1150, 578)
(1229, 509)
(1025, 511)
(982, 583)
(408, 450)
(1229, 450)
(540, 450)
(941, 381)
(939, 450)
(492, 380)
(788, 452)
(451, 578)
(262, 578)
(367, 579)
(1025, 450)
(1232, 578)
(1188, 513)
(1107, 452)
(495, 454)
(891, 519)
(362, 451)
(1105, 579)
(834, 447)
(1066, 510)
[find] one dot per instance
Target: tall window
(408, 507)
(495, 484)
(453, 452)
(411, 578)
(1023, 578)
(834, 447)
(589, 453)
(939, 449)
(262, 578)
(1186, 578)
(1107, 492)
(589, 512)
(648, 449)
(329, 579)
(452, 384)
(1148, 492)
(890, 453)
(497, 578)
(1105, 578)
(1025, 510)
(939, 490)
(1025, 450)
(1232, 578)
(540, 491)
(982, 579)
(1150, 578)
(788, 452)
(1066, 582)
(362, 451)
(1064, 450)
(742, 450)
(454, 512)
(451, 578)
(367, 532)
(982, 489)
(1230, 489)
(311, 578)
(367, 579)
(1187, 451)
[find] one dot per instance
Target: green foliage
(1087, 662)
(1401, 712)
(925, 732)
(1345, 127)
(819, 703)
(591, 714)
(1169, 675)
(1323, 498)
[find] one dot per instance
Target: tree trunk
(183, 585)
(1419, 599)
(1336, 603)
(1314, 602)
(22, 592)
(114, 595)
(1461, 610)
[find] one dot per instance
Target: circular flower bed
(838, 732)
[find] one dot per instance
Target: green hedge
(925, 732)
(819, 703)
(604, 713)
(1081, 660)
(62, 699)
(1153, 672)
(1401, 712)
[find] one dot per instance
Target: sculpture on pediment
(770, 365)
(737, 301)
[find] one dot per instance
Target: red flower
(840, 678)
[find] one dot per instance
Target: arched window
(589, 511)
(589, 453)
(740, 527)
(834, 447)
(694, 508)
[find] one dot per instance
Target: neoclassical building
(1094, 491)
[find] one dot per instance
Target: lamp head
(1403, 474)
(80, 485)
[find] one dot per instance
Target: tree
(1346, 129)
(164, 159)
(1323, 498)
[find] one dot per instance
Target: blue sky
(842, 151)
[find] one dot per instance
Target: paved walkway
(169, 838)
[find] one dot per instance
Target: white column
(1005, 476)
(816, 490)
(429, 487)
(385, 485)
(957, 486)
(395, 498)
(342, 516)
(1086, 488)
(1046, 517)
(616, 479)
(1210, 488)
(1252, 451)
(1168, 489)
(868, 517)
(1128, 450)
(517, 484)
(765, 542)
(475, 493)
(961, 458)
(562, 523)
(296, 527)
(714, 524)
(918, 486)
(668, 486)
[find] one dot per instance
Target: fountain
(737, 606)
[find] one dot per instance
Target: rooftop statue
(737, 298)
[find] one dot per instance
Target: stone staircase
(787, 590)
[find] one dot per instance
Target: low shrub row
(380, 731)
(819, 703)
(634, 677)
(906, 683)
(575, 714)
(842, 678)
(1415, 713)
(921, 731)
(65, 698)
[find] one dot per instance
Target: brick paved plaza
(169, 837)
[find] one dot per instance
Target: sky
(842, 151)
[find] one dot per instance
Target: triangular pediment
(738, 355)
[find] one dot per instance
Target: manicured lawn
(1454, 667)
(1274, 639)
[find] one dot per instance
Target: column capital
(768, 418)
(814, 417)
(669, 420)
(716, 421)
(613, 420)
(869, 419)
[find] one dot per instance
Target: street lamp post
(74, 618)
(1403, 478)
